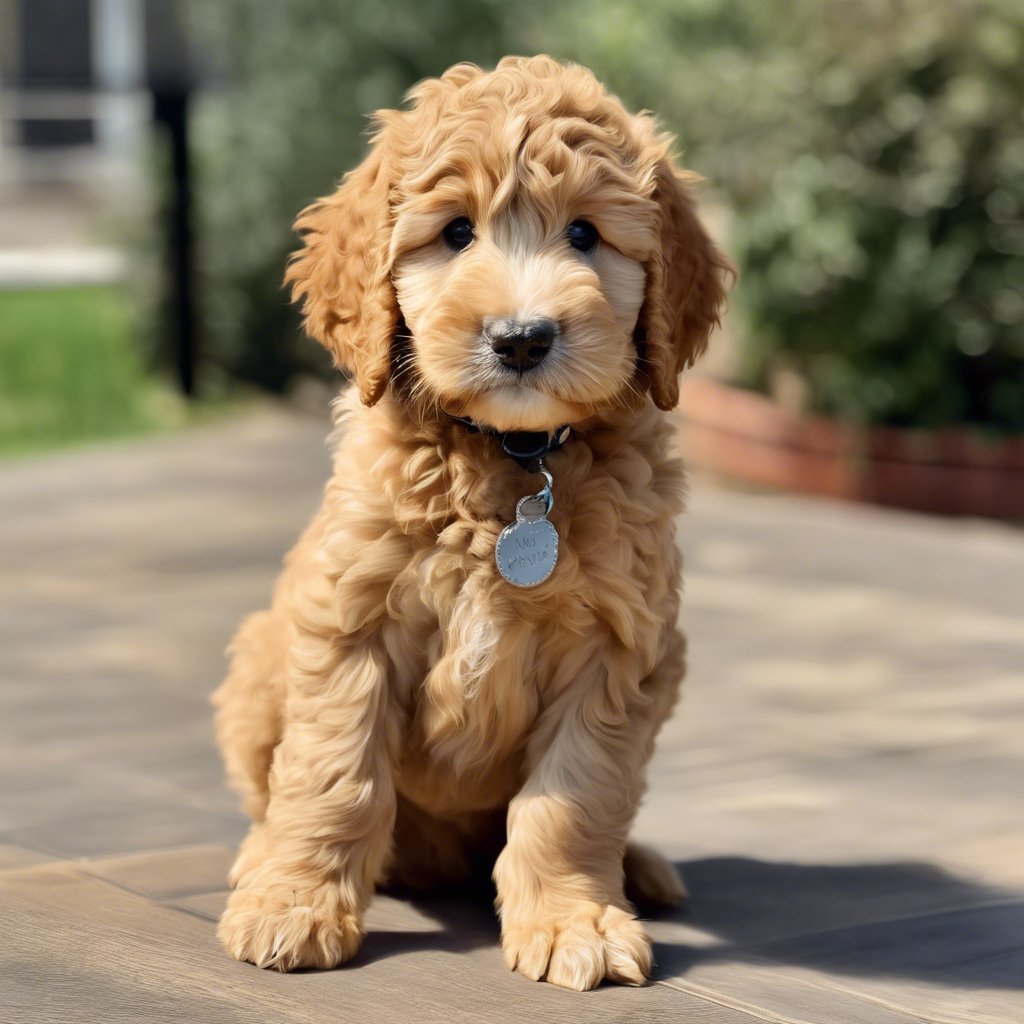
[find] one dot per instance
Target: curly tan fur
(402, 710)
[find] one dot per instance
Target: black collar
(525, 446)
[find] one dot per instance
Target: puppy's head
(516, 248)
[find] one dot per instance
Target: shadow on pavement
(900, 920)
(895, 920)
(465, 912)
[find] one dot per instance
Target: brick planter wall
(747, 436)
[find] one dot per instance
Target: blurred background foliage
(884, 254)
(87, 377)
(870, 152)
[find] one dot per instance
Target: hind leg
(249, 701)
(651, 879)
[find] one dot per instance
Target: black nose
(521, 344)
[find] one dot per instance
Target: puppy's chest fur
(474, 662)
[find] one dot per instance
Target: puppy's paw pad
(580, 951)
(285, 928)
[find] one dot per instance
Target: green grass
(71, 370)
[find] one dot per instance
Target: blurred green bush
(883, 255)
(70, 369)
(872, 151)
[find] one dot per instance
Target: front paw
(580, 949)
(286, 927)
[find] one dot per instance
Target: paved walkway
(843, 784)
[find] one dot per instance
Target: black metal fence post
(171, 76)
(171, 110)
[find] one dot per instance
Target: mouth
(539, 398)
(528, 379)
(520, 407)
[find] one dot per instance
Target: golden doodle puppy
(516, 271)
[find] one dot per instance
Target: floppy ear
(342, 276)
(686, 288)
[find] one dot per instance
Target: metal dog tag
(528, 549)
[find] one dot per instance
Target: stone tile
(127, 825)
(166, 874)
(886, 942)
(952, 968)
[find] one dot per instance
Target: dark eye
(582, 235)
(459, 233)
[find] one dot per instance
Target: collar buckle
(528, 446)
(524, 446)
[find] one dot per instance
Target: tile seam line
(711, 996)
(80, 865)
(774, 1018)
(153, 851)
